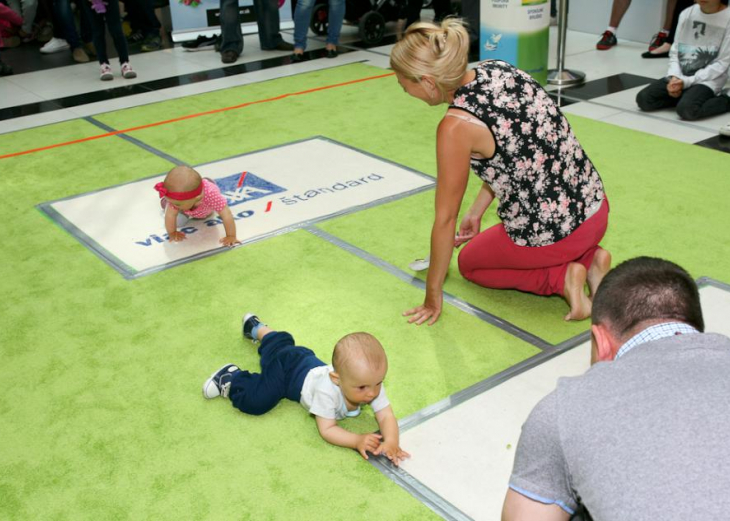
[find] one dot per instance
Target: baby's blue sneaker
(249, 324)
(219, 382)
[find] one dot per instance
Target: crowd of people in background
(78, 27)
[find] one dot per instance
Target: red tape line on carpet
(192, 116)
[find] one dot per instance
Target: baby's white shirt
(321, 397)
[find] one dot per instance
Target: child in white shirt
(698, 65)
(329, 392)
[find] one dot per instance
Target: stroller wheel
(320, 17)
(372, 27)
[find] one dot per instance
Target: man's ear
(335, 378)
(605, 345)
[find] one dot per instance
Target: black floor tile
(604, 86)
(721, 143)
(164, 83)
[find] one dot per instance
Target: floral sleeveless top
(545, 183)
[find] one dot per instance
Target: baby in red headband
(185, 192)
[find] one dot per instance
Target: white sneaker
(55, 45)
(725, 131)
(106, 72)
(127, 72)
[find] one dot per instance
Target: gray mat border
(418, 283)
(130, 274)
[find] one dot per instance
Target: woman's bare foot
(580, 304)
(600, 265)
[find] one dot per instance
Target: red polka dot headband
(178, 196)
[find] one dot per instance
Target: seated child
(184, 194)
(698, 65)
(329, 392)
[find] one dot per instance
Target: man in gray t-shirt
(643, 434)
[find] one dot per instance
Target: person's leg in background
(114, 25)
(85, 31)
(144, 23)
(699, 101)
(267, 18)
(441, 9)
(413, 12)
(334, 25)
(98, 32)
(608, 38)
(661, 42)
(655, 96)
(27, 10)
(662, 51)
(65, 28)
(5, 69)
(231, 45)
(302, 16)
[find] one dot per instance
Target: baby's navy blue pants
(284, 366)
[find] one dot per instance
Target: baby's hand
(177, 236)
(368, 442)
(393, 452)
(229, 241)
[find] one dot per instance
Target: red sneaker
(658, 40)
(608, 40)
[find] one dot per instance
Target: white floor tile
(13, 94)
(36, 120)
(465, 454)
(591, 110)
(659, 127)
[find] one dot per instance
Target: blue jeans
(64, 17)
(303, 15)
(284, 366)
(267, 19)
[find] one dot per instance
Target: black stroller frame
(369, 15)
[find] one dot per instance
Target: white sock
(612, 29)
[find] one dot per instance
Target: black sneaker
(608, 40)
(135, 37)
(249, 322)
(219, 382)
(201, 43)
(5, 69)
(152, 43)
(229, 56)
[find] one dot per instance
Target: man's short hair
(646, 289)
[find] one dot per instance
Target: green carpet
(102, 416)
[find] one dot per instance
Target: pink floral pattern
(545, 183)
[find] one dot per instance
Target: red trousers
(492, 260)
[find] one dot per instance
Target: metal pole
(562, 76)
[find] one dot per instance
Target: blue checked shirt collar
(656, 332)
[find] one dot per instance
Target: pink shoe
(106, 72)
(127, 72)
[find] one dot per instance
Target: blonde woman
(503, 124)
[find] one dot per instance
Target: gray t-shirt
(645, 437)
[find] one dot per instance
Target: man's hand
(392, 451)
(368, 443)
(176, 236)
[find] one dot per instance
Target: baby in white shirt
(329, 392)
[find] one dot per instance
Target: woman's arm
(472, 220)
(453, 150)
